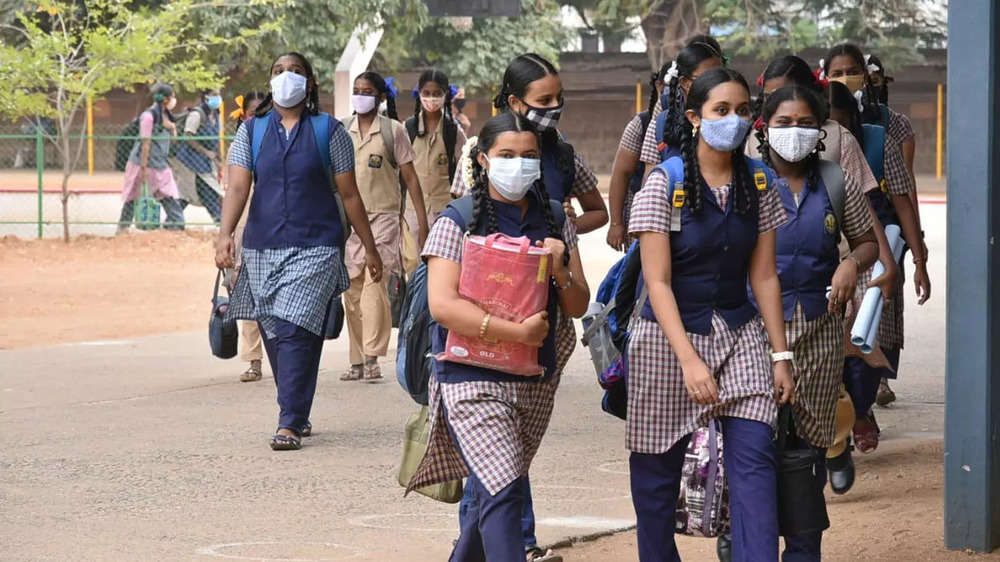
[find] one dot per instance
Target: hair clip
(859, 96)
(760, 80)
(416, 93)
(872, 68)
(453, 90)
(821, 71)
(390, 86)
(820, 80)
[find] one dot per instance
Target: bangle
(778, 356)
(484, 326)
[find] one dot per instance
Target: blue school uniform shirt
(511, 223)
(293, 203)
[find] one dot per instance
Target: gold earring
(694, 130)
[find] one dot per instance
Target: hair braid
(653, 79)
(676, 126)
(693, 184)
(743, 187)
(416, 113)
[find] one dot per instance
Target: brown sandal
(372, 371)
(253, 373)
(355, 373)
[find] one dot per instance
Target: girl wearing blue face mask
(706, 224)
(496, 420)
(301, 164)
(198, 179)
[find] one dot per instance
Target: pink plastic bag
(508, 278)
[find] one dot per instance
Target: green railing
(31, 174)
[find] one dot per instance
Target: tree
(60, 52)
(476, 52)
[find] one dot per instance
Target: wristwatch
(782, 356)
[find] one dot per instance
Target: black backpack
(414, 360)
(450, 138)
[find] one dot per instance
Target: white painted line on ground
(587, 522)
(213, 550)
(614, 467)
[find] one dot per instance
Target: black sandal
(307, 430)
(282, 442)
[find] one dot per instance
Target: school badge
(375, 161)
(830, 222)
(760, 180)
(442, 160)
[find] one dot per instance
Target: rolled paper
(866, 324)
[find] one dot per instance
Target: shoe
(724, 548)
(885, 394)
(840, 469)
(866, 433)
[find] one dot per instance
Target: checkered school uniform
(660, 411)
(631, 142)
(499, 425)
(898, 182)
(899, 127)
(818, 344)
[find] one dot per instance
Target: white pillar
(353, 61)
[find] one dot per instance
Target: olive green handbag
(418, 429)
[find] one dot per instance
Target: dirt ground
(894, 512)
(98, 288)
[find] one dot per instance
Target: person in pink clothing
(148, 162)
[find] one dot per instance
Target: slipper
(372, 372)
(355, 373)
(282, 442)
(253, 373)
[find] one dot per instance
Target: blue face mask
(725, 134)
(213, 102)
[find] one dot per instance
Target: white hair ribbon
(822, 67)
(672, 73)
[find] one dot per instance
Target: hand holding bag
(222, 333)
(509, 279)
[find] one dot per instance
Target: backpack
(322, 130)
(126, 141)
(666, 152)
(414, 360)
(874, 147)
(833, 178)
(625, 293)
(450, 139)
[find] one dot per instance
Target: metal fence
(31, 181)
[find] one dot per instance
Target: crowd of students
(738, 198)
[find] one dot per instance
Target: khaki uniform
(366, 303)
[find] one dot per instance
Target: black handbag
(801, 479)
(334, 319)
(222, 334)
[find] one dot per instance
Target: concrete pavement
(148, 449)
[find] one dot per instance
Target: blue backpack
(874, 147)
(666, 152)
(414, 359)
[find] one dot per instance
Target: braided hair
(869, 99)
(382, 88)
(742, 187)
(697, 51)
(312, 95)
(483, 211)
(819, 110)
(517, 78)
(441, 79)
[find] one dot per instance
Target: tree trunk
(667, 28)
(67, 166)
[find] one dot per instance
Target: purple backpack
(703, 503)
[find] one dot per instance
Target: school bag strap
(836, 190)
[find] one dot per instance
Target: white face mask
(792, 143)
(513, 177)
(362, 103)
(432, 105)
(288, 89)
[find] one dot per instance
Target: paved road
(148, 449)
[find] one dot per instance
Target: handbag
(148, 216)
(334, 319)
(507, 278)
(396, 287)
(703, 503)
(222, 333)
(801, 479)
(415, 441)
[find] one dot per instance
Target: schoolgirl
(437, 142)
(531, 87)
(846, 64)
(698, 350)
(198, 160)
(293, 261)
(900, 129)
(809, 262)
(496, 420)
(662, 139)
(627, 172)
(250, 340)
(366, 302)
(147, 163)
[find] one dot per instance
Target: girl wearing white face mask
(384, 155)
(147, 163)
(497, 419)
(821, 204)
(301, 164)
